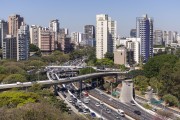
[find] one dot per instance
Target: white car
(101, 102)
(120, 112)
(97, 104)
(19, 83)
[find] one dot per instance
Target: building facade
(3, 31)
(10, 47)
(158, 37)
(105, 35)
(47, 39)
(120, 56)
(35, 35)
(54, 26)
(144, 27)
(89, 33)
(23, 39)
(76, 38)
(14, 23)
(133, 33)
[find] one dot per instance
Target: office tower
(133, 33)
(35, 35)
(165, 38)
(105, 35)
(76, 38)
(47, 39)
(89, 35)
(64, 31)
(23, 43)
(14, 23)
(133, 47)
(174, 36)
(10, 47)
(144, 27)
(89, 31)
(3, 31)
(54, 26)
(158, 37)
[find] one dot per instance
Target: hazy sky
(74, 14)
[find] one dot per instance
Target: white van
(120, 112)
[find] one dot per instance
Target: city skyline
(74, 15)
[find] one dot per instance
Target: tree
(104, 62)
(2, 70)
(109, 55)
(153, 66)
(177, 53)
(122, 67)
(13, 78)
(33, 48)
(141, 83)
(135, 73)
(17, 98)
(171, 100)
(84, 71)
(155, 84)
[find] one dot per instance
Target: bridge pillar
(116, 79)
(55, 90)
(80, 85)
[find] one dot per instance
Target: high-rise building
(133, 33)
(105, 35)
(14, 23)
(54, 26)
(76, 38)
(89, 33)
(158, 37)
(144, 27)
(23, 43)
(10, 47)
(35, 35)
(64, 31)
(47, 39)
(3, 31)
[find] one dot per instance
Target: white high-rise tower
(105, 35)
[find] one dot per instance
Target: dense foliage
(17, 98)
(42, 105)
(162, 73)
(84, 71)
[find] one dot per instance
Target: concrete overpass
(61, 81)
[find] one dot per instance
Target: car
(80, 110)
(86, 101)
(110, 99)
(69, 100)
(132, 103)
(97, 104)
(87, 110)
(75, 99)
(93, 114)
(108, 110)
(84, 111)
(154, 109)
(121, 112)
(19, 83)
(137, 112)
(101, 103)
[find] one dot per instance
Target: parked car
(137, 112)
